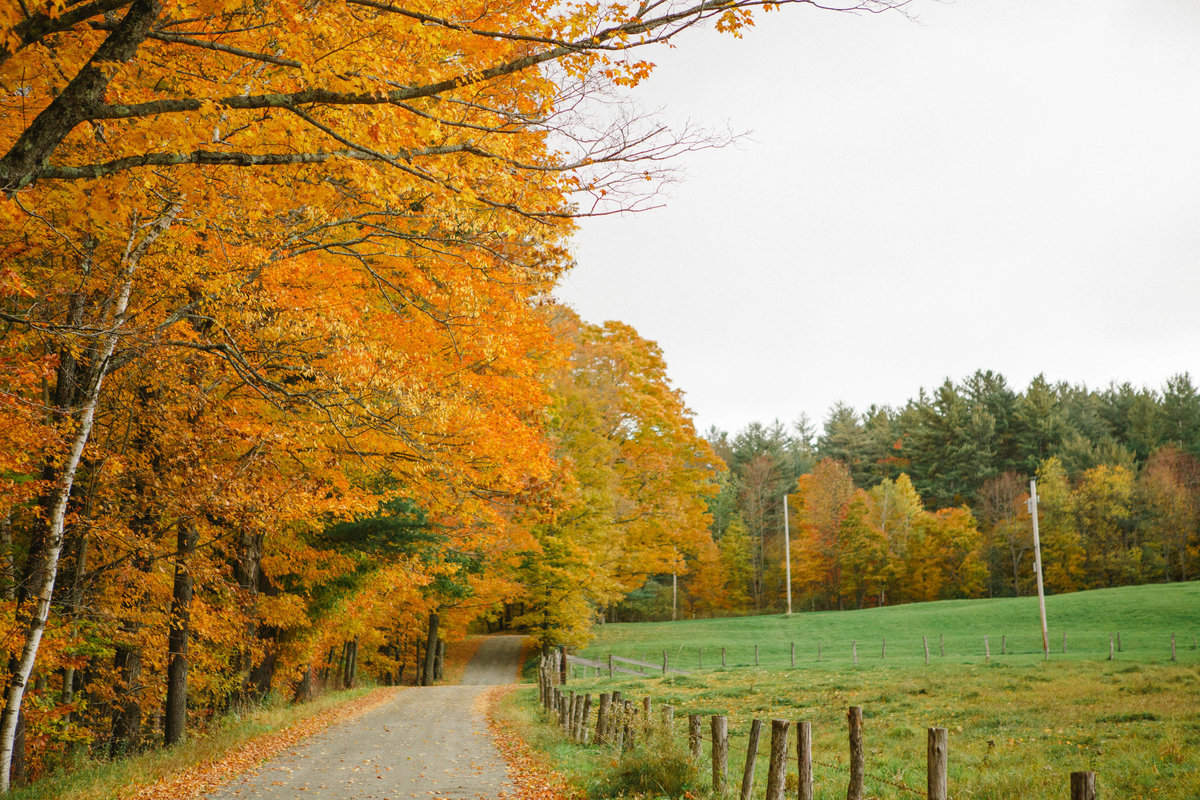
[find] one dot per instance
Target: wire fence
(619, 722)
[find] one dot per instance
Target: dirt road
(430, 742)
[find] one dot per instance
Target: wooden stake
(722, 658)
(695, 736)
(942, 644)
(1112, 647)
(854, 648)
(804, 757)
(777, 767)
(601, 736)
(668, 717)
(925, 641)
(794, 654)
(938, 761)
(756, 655)
(883, 653)
(1172, 647)
(720, 755)
(857, 766)
(987, 650)
(1083, 786)
(664, 662)
(751, 753)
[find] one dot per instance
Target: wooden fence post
(646, 719)
(720, 754)
(722, 658)
(938, 762)
(1112, 648)
(695, 736)
(987, 650)
(883, 653)
(793, 654)
(751, 754)
(756, 655)
(610, 665)
(601, 736)
(629, 733)
(857, 767)
(1118, 641)
(854, 649)
(1083, 786)
(804, 758)
(668, 718)
(925, 641)
(1172, 647)
(582, 736)
(1004, 644)
(777, 767)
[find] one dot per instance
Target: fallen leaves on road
(206, 778)
(527, 769)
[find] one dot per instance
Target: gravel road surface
(429, 742)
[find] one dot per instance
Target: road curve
(428, 742)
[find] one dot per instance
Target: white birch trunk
(85, 416)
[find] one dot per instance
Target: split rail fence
(620, 722)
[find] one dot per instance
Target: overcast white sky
(998, 185)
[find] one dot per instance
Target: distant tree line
(928, 501)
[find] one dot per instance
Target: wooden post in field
(987, 650)
(751, 754)
(804, 758)
(720, 754)
(584, 717)
(630, 734)
(942, 644)
(722, 658)
(925, 641)
(1112, 647)
(615, 709)
(695, 736)
(1004, 644)
(646, 711)
(1118, 641)
(777, 767)
(602, 720)
(857, 766)
(854, 649)
(793, 654)
(610, 665)
(1172, 647)
(668, 716)
(1083, 786)
(756, 655)
(883, 653)
(664, 662)
(938, 763)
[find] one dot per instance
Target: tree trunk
(430, 650)
(175, 725)
(85, 415)
(127, 716)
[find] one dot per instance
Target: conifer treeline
(928, 500)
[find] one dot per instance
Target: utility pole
(787, 552)
(1037, 565)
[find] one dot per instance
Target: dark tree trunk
(127, 710)
(427, 677)
(175, 725)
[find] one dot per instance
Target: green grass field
(1018, 725)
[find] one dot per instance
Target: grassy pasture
(1018, 724)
